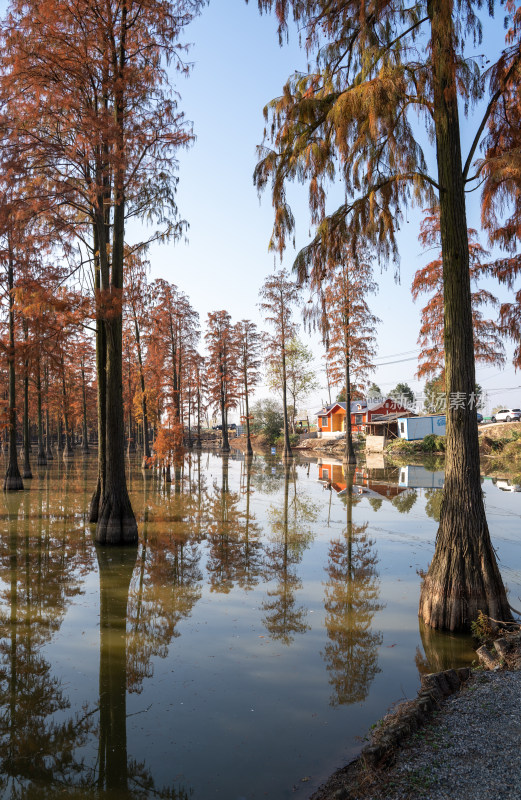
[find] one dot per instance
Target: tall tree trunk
(224, 420)
(13, 479)
(190, 443)
(116, 521)
(286, 452)
(144, 409)
(130, 443)
(41, 458)
(27, 472)
(101, 366)
(59, 436)
(249, 448)
(175, 376)
(67, 450)
(350, 456)
(198, 443)
(85, 430)
(48, 434)
(463, 577)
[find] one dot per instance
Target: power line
(503, 389)
(400, 361)
(395, 355)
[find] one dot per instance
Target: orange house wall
(389, 407)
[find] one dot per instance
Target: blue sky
(238, 67)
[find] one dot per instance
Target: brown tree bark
(84, 429)
(225, 446)
(13, 480)
(26, 472)
(41, 458)
(116, 521)
(463, 577)
(101, 359)
(48, 434)
(67, 448)
(350, 456)
(145, 464)
(249, 448)
(286, 450)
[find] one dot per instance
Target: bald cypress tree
(374, 69)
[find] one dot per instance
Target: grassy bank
(430, 444)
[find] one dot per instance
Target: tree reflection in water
(290, 538)
(351, 600)
(39, 574)
(235, 551)
(433, 504)
(442, 650)
(41, 568)
(405, 501)
(167, 581)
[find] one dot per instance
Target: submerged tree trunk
(130, 441)
(101, 352)
(144, 409)
(27, 472)
(249, 448)
(85, 430)
(41, 458)
(224, 422)
(463, 577)
(198, 443)
(59, 436)
(67, 449)
(48, 434)
(116, 521)
(13, 479)
(190, 443)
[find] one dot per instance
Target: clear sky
(238, 67)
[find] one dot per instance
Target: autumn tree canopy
(488, 344)
(98, 123)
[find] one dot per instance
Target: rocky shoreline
(449, 742)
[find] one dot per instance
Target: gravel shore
(467, 748)
(470, 750)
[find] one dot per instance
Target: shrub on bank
(430, 444)
(293, 440)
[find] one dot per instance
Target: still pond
(267, 619)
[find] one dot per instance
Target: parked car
(480, 417)
(507, 415)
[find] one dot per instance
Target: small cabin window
(359, 419)
(402, 427)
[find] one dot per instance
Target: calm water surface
(266, 620)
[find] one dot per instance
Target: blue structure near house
(417, 477)
(413, 428)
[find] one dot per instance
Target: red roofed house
(332, 419)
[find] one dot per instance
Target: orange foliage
(488, 346)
